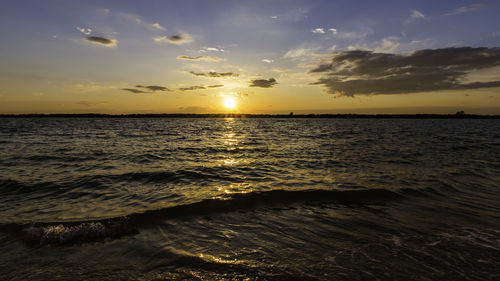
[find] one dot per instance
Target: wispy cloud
(299, 52)
(158, 26)
(140, 89)
(319, 30)
(101, 41)
(86, 31)
(365, 72)
(333, 30)
(263, 83)
(213, 74)
(211, 49)
(267, 60)
(200, 87)
(154, 88)
(385, 45)
(178, 39)
(201, 58)
(135, 91)
(465, 9)
(416, 14)
(192, 88)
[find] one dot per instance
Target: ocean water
(249, 199)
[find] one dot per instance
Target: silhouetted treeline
(234, 115)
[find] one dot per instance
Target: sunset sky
(250, 56)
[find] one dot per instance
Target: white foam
(63, 234)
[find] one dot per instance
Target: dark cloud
(175, 39)
(200, 58)
(101, 41)
(153, 88)
(148, 89)
(192, 88)
(135, 91)
(263, 83)
(364, 72)
(215, 74)
(200, 87)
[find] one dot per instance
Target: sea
(249, 199)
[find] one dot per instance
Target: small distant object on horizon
(461, 112)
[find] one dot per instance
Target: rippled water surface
(249, 199)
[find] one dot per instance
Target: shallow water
(267, 199)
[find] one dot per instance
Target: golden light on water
(230, 103)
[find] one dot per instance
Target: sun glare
(230, 102)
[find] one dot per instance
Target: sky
(275, 56)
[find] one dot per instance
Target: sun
(230, 102)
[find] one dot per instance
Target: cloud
(465, 9)
(263, 83)
(274, 17)
(153, 88)
(299, 52)
(101, 41)
(319, 30)
(333, 30)
(415, 14)
(158, 26)
(135, 91)
(201, 58)
(267, 60)
(385, 45)
(213, 74)
(192, 88)
(146, 89)
(200, 87)
(211, 49)
(85, 31)
(178, 39)
(353, 73)
(160, 38)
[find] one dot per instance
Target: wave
(70, 234)
(92, 230)
(99, 181)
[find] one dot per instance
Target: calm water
(266, 199)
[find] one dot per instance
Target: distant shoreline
(234, 115)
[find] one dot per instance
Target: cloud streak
(263, 83)
(201, 58)
(415, 14)
(83, 30)
(465, 9)
(213, 74)
(101, 41)
(365, 72)
(177, 39)
(200, 87)
(319, 30)
(153, 88)
(140, 89)
(158, 26)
